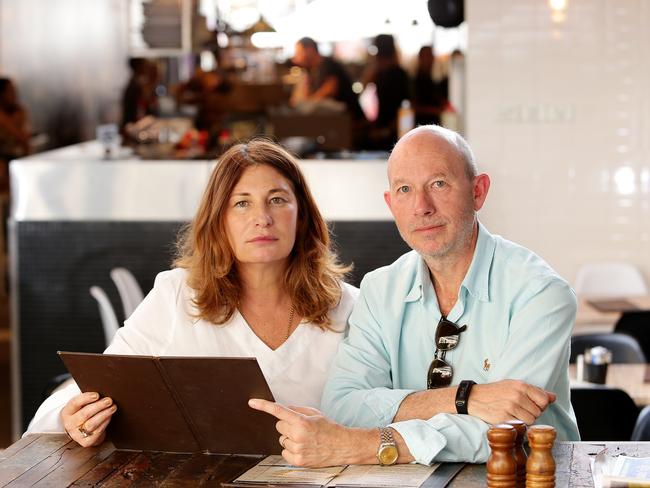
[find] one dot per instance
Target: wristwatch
(387, 452)
(462, 395)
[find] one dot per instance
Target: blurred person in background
(429, 97)
(139, 98)
(326, 78)
(392, 87)
(14, 130)
(206, 92)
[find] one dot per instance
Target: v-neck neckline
(260, 344)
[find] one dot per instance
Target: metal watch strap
(387, 453)
(386, 436)
(462, 395)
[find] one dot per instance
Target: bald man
(468, 329)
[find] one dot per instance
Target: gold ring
(282, 439)
(84, 433)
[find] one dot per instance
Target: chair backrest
(642, 428)
(109, 320)
(624, 348)
(54, 383)
(637, 325)
(610, 279)
(128, 288)
(603, 413)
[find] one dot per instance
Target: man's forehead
(423, 139)
(425, 152)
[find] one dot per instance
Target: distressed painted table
(54, 460)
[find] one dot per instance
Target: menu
(180, 404)
(274, 470)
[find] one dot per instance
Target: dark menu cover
(180, 404)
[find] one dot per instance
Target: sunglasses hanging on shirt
(447, 337)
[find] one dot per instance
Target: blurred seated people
(429, 97)
(139, 98)
(255, 277)
(392, 87)
(326, 78)
(204, 90)
(14, 130)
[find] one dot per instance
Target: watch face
(387, 454)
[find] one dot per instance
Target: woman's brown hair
(313, 274)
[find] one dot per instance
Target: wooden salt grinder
(540, 467)
(501, 465)
(520, 453)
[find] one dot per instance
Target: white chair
(109, 320)
(610, 280)
(128, 288)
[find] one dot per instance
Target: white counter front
(76, 184)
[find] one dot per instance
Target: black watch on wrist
(462, 395)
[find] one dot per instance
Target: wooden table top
(590, 319)
(54, 460)
(628, 377)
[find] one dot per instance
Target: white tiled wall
(559, 117)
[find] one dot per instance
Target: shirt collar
(477, 279)
(421, 280)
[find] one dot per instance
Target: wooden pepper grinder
(520, 452)
(540, 467)
(501, 465)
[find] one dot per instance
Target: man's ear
(480, 190)
(387, 200)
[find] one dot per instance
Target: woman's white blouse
(164, 325)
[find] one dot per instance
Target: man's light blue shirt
(519, 315)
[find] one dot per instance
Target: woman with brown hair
(255, 276)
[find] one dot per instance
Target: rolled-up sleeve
(445, 438)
